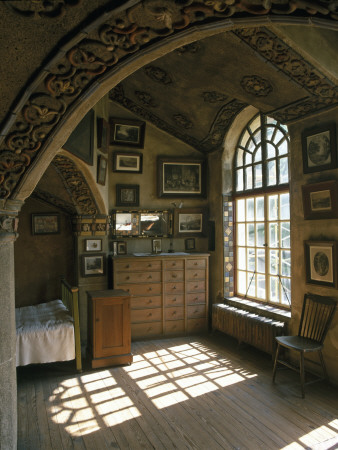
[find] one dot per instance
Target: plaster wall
(302, 230)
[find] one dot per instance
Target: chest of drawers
(169, 294)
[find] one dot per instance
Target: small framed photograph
(190, 244)
(319, 148)
(93, 245)
(127, 195)
(121, 248)
(320, 200)
(181, 178)
(127, 162)
(320, 262)
(46, 223)
(101, 169)
(127, 132)
(189, 221)
(156, 245)
(102, 130)
(93, 265)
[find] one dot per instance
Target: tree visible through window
(262, 212)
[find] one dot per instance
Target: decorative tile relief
(228, 246)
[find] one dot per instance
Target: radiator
(247, 327)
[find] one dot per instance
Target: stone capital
(9, 211)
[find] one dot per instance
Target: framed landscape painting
(320, 200)
(189, 221)
(127, 162)
(127, 132)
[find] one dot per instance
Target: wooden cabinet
(109, 335)
(169, 294)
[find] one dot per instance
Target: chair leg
(275, 364)
(302, 374)
(323, 365)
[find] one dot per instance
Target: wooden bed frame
(70, 298)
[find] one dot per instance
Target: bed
(49, 332)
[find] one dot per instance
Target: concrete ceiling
(195, 92)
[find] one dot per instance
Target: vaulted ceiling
(195, 92)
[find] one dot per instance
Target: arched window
(262, 212)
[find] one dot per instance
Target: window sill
(270, 311)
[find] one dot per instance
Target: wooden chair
(317, 313)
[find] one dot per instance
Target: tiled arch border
(76, 78)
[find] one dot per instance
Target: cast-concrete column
(8, 389)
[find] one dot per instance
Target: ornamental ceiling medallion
(76, 185)
(115, 38)
(256, 85)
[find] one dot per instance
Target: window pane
(272, 180)
(261, 287)
(271, 151)
(273, 233)
(259, 208)
(245, 138)
(274, 291)
(284, 206)
(241, 282)
(247, 158)
(283, 170)
(285, 234)
(278, 137)
(251, 253)
(256, 123)
(258, 154)
(251, 284)
(283, 147)
(261, 260)
(241, 234)
(286, 291)
(260, 234)
(269, 133)
(251, 145)
(250, 234)
(239, 180)
(248, 178)
(240, 153)
(258, 176)
(286, 263)
(273, 207)
(240, 210)
(241, 263)
(250, 209)
(274, 262)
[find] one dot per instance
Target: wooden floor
(182, 393)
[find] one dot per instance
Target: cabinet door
(112, 334)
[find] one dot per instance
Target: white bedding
(44, 333)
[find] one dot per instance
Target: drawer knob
(127, 266)
(195, 274)
(149, 265)
(174, 275)
(150, 289)
(195, 264)
(196, 286)
(174, 299)
(127, 278)
(150, 301)
(150, 314)
(150, 277)
(174, 287)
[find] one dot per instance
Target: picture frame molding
(102, 134)
(162, 178)
(121, 247)
(119, 192)
(190, 244)
(156, 245)
(313, 132)
(84, 261)
(201, 215)
(331, 187)
(102, 164)
(57, 222)
(312, 276)
(117, 165)
(140, 125)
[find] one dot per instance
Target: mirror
(142, 223)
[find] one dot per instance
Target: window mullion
(266, 247)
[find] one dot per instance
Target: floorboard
(196, 392)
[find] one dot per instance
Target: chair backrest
(316, 317)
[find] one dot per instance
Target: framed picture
(46, 223)
(127, 195)
(102, 130)
(101, 170)
(127, 162)
(157, 245)
(93, 265)
(190, 244)
(181, 178)
(319, 148)
(320, 262)
(121, 248)
(81, 141)
(127, 132)
(93, 245)
(320, 200)
(189, 221)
